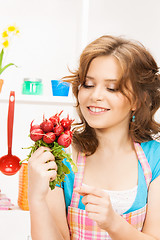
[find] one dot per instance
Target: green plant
(6, 39)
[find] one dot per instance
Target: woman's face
(101, 104)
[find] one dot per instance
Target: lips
(97, 109)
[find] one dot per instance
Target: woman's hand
(40, 162)
(98, 206)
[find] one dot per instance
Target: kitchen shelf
(39, 99)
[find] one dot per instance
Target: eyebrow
(108, 79)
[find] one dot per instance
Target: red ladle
(9, 164)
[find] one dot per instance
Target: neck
(114, 140)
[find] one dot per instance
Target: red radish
(68, 132)
(36, 134)
(64, 140)
(55, 119)
(36, 126)
(53, 135)
(46, 125)
(66, 123)
(58, 130)
(49, 137)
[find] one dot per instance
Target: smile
(98, 109)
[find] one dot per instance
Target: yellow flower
(5, 43)
(4, 34)
(7, 34)
(11, 28)
(17, 31)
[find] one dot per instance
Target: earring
(133, 118)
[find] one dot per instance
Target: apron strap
(144, 163)
(78, 179)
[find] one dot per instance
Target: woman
(116, 192)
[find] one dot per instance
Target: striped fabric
(144, 163)
(136, 218)
(78, 179)
(83, 228)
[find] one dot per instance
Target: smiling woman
(135, 75)
(115, 193)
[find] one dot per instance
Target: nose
(97, 93)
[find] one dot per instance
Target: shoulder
(151, 150)
(152, 153)
(151, 146)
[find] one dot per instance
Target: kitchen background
(52, 36)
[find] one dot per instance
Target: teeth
(94, 109)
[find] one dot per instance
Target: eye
(87, 85)
(112, 88)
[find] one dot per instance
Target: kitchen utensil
(9, 164)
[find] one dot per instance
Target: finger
(46, 156)
(38, 152)
(86, 189)
(88, 198)
(50, 165)
(93, 216)
(91, 208)
(52, 175)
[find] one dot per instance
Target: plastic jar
(32, 86)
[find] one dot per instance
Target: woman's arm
(46, 206)
(48, 217)
(152, 223)
(57, 207)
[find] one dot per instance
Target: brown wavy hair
(140, 69)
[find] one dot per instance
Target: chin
(96, 126)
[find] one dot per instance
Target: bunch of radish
(53, 129)
(56, 134)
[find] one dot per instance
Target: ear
(134, 105)
(133, 108)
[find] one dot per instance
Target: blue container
(60, 88)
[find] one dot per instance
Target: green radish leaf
(52, 184)
(60, 155)
(65, 169)
(74, 168)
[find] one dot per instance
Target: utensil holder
(23, 187)
(60, 88)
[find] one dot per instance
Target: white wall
(137, 19)
(51, 33)
(47, 41)
(47, 44)
(134, 19)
